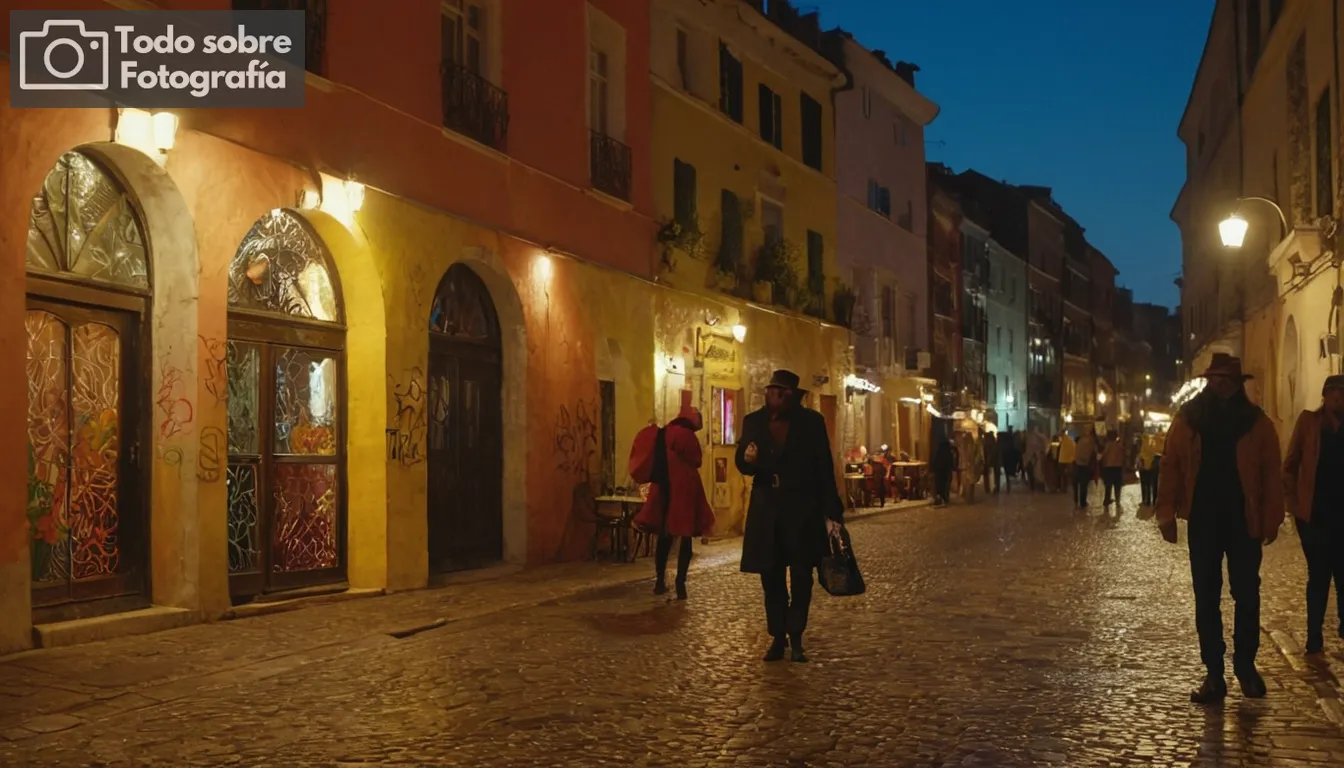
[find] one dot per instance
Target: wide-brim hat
(1227, 366)
(783, 379)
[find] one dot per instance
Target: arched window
(88, 297)
(286, 367)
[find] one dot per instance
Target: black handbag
(839, 572)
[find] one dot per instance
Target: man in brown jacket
(1221, 472)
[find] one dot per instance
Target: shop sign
(860, 384)
(720, 357)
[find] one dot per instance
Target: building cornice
(873, 73)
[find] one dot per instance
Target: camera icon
(64, 56)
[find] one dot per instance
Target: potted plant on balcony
(777, 280)
(684, 236)
(842, 303)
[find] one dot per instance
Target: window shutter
(730, 245)
(816, 261)
(777, 105)
(683, 192)
(810, 113)
(765, 105)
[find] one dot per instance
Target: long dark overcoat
(793, 492)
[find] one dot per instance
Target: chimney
(906, 71)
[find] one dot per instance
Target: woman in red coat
(677, 505)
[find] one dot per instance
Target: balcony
(610, 161)
(474, 107)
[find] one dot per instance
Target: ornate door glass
(285, 360)
(86, 537)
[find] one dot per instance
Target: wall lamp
(152, 133)
(1232, 230)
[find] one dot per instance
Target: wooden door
(84, 501)
(465, 453)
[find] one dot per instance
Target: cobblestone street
(1011, 632)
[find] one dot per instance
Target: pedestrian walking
(992, 463)
(1221, 472)
(1084, 454)
(1149, 457)
(1112, 467)
(1011, 457)
(1314, 490)
(785, 449)
(1034, 457)
(677, 506)
(972, 463)
(942, 464)
(1068, 451)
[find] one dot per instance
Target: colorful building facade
(393, 333)
(882, 219)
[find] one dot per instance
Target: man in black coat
(785, 448)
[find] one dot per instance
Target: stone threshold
(298, 599)
(140, 622)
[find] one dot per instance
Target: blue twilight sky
(1080, 95)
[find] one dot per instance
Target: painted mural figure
(786, 451)
(677, 506)
(1221, 472)
(1314, 489)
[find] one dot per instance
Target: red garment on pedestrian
(688, 512)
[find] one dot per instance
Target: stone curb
(1320, 679)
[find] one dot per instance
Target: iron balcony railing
(610, 165)
(474, 107)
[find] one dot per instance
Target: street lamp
(1101, 397)
(1232, 230)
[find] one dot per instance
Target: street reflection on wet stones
(1013, 632)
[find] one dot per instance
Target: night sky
(1080, 95)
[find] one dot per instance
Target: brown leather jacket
(1299, 468)
(1258, 467)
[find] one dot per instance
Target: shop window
(724, 416)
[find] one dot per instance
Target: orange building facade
(393, 333)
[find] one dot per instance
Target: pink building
(882, 230)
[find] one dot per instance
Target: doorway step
(156, 618)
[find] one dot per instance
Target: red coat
(688, 512)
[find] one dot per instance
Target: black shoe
(660, 587)
(796, 644)
(1315, 641)
(1252, 684)
(1212, 691)
(681, 590)
(776, 651)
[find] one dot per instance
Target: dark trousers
(1324, 549)
(1113, 479)
(1082, 478)
(785, 613)
(1211, 539)
(942, 486)
(1148, 486)
(664, 549)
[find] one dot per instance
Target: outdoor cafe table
(619, 526)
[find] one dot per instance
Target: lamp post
(1232, 230)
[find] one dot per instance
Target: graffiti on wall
(406, 437)
(173, 404)
(576, 438)
(216, 368)
(209, 460)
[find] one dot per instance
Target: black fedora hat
(783, 379)
(1226, 365)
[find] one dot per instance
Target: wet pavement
(1012, 632)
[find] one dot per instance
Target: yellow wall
(732, 156)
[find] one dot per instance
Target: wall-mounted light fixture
(341, 199)
(740, 333)
(711, 319)
(152, 133)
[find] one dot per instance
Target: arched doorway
(465, 441)
(87, 357)
(286, 436)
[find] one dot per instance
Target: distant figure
(1112, 467)
(993, 465)
(1084, 453)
